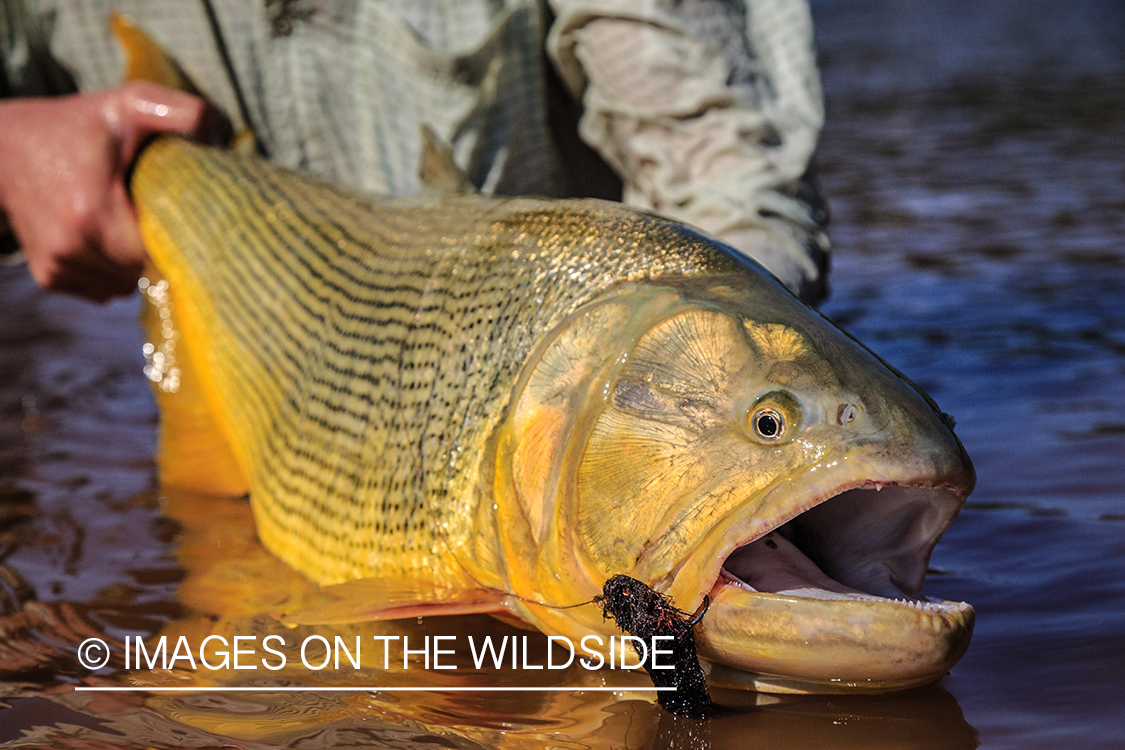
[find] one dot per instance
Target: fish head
(728, 442)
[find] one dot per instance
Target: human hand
(63, 162)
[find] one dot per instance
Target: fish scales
(364, 350)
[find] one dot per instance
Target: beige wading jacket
(707, 110)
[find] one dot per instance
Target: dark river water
(974, 159)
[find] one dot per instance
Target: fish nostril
(846, 414)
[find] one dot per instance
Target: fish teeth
(938, 607)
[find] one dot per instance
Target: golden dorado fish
(454, 403)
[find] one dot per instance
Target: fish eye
(768, 423)
(773, 417)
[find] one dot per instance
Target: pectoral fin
(392, 599)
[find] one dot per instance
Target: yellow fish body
(455, 403)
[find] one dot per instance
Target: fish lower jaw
(926, 604)
(815, 641)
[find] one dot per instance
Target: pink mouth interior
(864, 542)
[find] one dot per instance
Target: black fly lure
(644, 613)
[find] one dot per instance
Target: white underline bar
(302, 689)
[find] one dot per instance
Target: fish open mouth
(871, 542)
(831, 599)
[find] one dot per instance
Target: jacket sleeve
(709, 110)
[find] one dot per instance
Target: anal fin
(369, 599)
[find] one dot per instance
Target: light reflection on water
(979, 201)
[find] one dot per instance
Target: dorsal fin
(437, 169)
